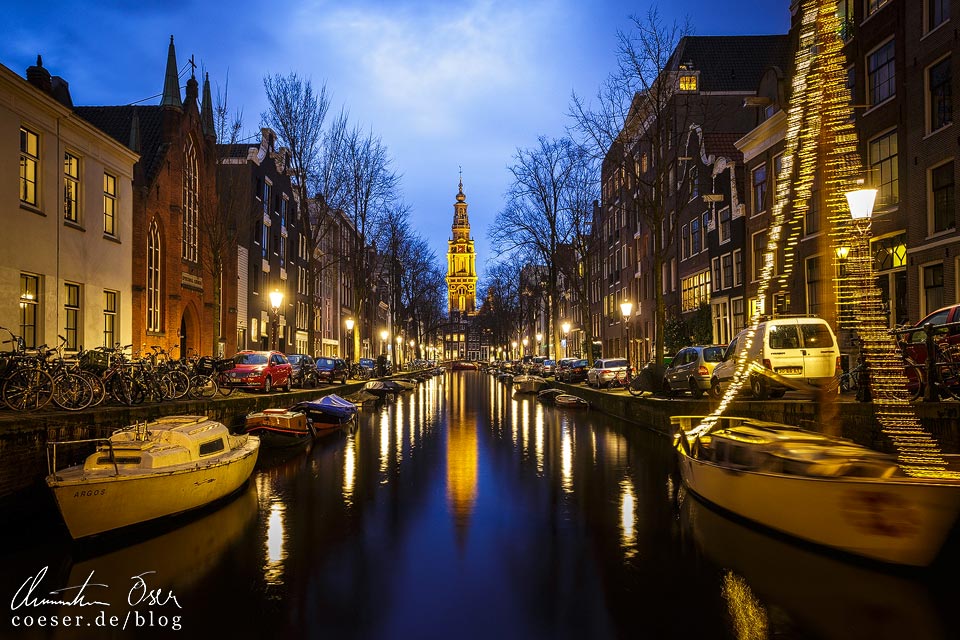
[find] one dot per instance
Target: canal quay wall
(24, 436)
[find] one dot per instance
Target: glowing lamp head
(276, 299)
(383, 334)
(566, 327)
(539, 337)
(861, 203)
(350, 322)
(625, 308)
(842, 253)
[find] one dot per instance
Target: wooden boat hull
(93, 503)
(279, 428)
(570, 402)
(899, 521)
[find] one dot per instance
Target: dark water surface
(463, 512)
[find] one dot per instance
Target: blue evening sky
(445, 84)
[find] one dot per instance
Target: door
(819, 350)
(784, 352)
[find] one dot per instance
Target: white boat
(529, 384)
(825, 490)
(148, 471)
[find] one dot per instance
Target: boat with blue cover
(328, 410)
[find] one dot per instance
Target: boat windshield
(250, 358)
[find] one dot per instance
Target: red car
(260, 370)
(914, 343)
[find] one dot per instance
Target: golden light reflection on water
(749, 617)
(398, 437)
(538, 437)
(566, 458)
(628, 518)
(275, 545)
(384, 442)
(349, 468)
(462, 468)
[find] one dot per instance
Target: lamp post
(566, 338)
(349, 322)
(861, 203)
(276, 300)
(524, 352)
(539, 340)
(626, 307)
(513, 350)
(413, 348)
(383, 338)
(396, 354)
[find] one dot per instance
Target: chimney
(39, 77)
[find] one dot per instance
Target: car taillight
(703, 370)
(604, 372)
(767, 364)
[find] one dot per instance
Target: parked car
(605, 370)
(691, 369)
(785, 353)
(914, 343)
(304, 370)
(260, 370)
(547, 367)
(331, 369)
(562, 365)
(575, 371)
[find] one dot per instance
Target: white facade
(79, 259)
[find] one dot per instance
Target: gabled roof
(117, 122)
(731, 63)
(722, 145)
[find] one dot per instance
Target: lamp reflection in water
(566, 456)
(384, 442)
(349, 468)
(462, 470)
(538, 437)
(628, 518)
(398, 435)
(747, 613)
(275, 545)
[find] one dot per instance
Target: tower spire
(171, 81)
(206, 110)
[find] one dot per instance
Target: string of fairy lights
(821, 141)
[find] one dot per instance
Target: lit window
(939, 95)
(688, 82)
(71, 187)
(153, 278)
(71, 315)
(109, 204)
(881, 73)
(29, 308)
(29, 160)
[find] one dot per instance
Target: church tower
(461, 262)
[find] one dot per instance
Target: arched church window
(154, 277)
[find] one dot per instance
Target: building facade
(65, 260)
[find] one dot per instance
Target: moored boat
(278, 428)
(549, 395)
(327, 412)
(825, 490)
(529, 384)
(568, 401)
(382, 389)
(148, 471)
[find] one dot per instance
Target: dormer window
(688, 82)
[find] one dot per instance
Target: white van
(786, 353)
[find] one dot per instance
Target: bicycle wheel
(202, 386)
(179, 383)
(223, 385)
(915, 378)
(72, 392)
(121, 389)
(28, 389)
(96, 385)
(949, 375)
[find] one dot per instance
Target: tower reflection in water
(462, 462)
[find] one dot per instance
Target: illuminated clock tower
(461, 262)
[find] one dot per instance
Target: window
(109, 318)
(939, 95)
(845, 14)
(883, 162)
(695, 291)
(29, 161)
(109, 204)
(264, 241)
(154, 278)
(942, 215)
(284, 205)
(759, 188)
(684, 242)
(283, 249)
(694, 182)
(759, 253)
(814, 286)
(71, 187)
(737, 267)
(777, 174)
(724, 219)
(715, 264)
(267, 194)
(71, 315)
(938, 12)
(812, 218)
(727, 263)
(29, 308)
(881, 73)
(738, 315)
(932, 288)
(191, 205)
(874, 5)
(688, 82)
(695, 246)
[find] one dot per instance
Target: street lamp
(861, 203)
(524, 352)
(539, 340)
(276, 299)
(383, 338)
(513, 349)
(396, 354)
(626, 307)
(566, 338)
(350, 322)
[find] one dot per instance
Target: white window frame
(869, 75)
(928, 97)
(931, 232)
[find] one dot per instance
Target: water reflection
(462, 469)
(275, 543)
(749, 616)
(349, 468)
(566, 456)
(628, 518)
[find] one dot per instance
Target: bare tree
(297, 115)
(537, 219)
(635, 127)
(500, 315)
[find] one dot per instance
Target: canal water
(460, 511)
